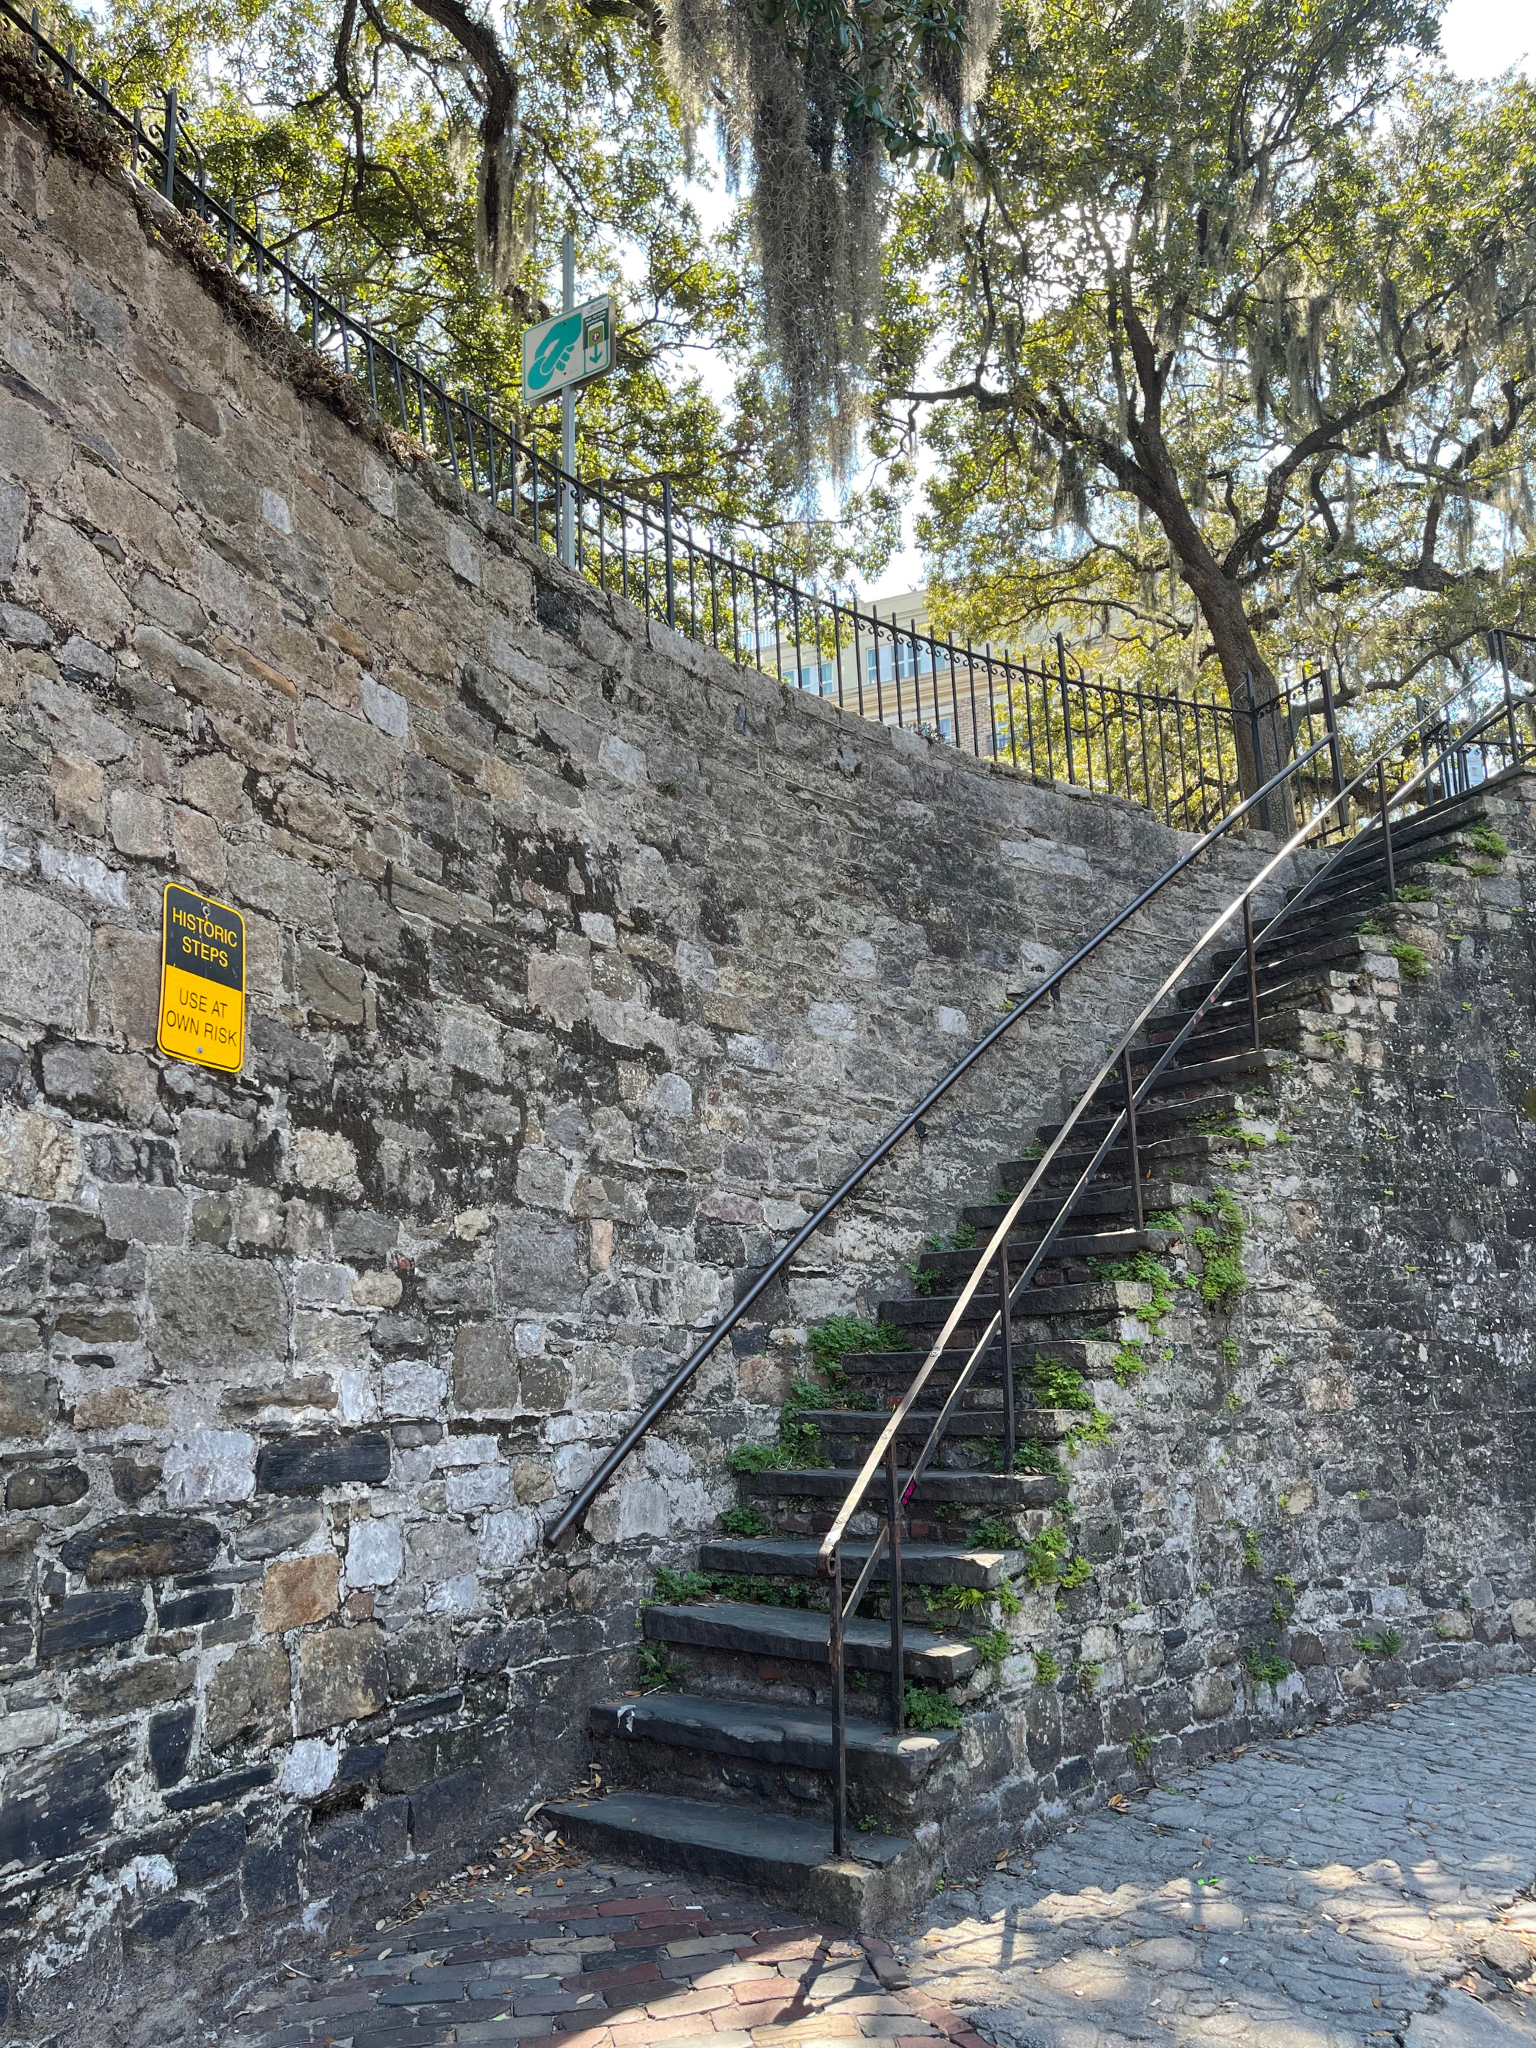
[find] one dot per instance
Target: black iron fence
(1185, 757)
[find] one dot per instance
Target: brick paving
(601, 1956)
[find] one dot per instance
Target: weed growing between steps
(1219, 1241)
(928, 1709)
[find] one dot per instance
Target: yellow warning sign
(202, 980)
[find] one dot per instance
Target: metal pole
(1386, 828)
(1138, 1213)
(666, 548)
(568, 411)
(172, 127)
(1253, 971)
(1005, 1325)
(1332, 717)
(898, 1648)
(1066, 708)
(1509, 702)
(839, 1731)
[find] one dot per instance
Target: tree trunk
(1258, 725)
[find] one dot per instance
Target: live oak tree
(1239, 323)
(425, 155)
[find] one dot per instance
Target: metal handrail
(1177, 755)
(910, 1122)
(1009, 1292)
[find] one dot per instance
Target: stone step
(799, 1635)
(1347, 949)
(1091, 1356)
(1109, 1243)
(785, 1737)
(1045, 1425)
(772, 1852)
(1008, 1492)
(1108, 1196)
(1098, 1297)
(1154, 1121)
(922, 1564)
(1249, 1069)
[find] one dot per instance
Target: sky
(1480, 38)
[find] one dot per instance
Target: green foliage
(1076, 1573)
(675, 1588)
(1057, 1385)
(1486, 840)
(1045, 1555)
(1414, 892)
(1008, 1601)
(1129, 1362)
(1237, 269)
(754, 1458)
(994, 1646)
(1229, 1350)
(1411, 959)
(1387, 1644)
(869, 1825)
(1096, 1429)
(829, 1343)
(744, 1520)
(1162, 1219)
(1088, 1675)
(658, 1667)
(992, 1532)
(923, 1281)
(1149, 1271)
(962, 1238)
(1140, 1746)
(1264, 1666)
(927, 1709)
(1047, 1669)
(1220, 1245)
(1253, 1556)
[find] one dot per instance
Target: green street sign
(570, 349)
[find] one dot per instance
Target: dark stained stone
(213, 1847)
(170, 1740)
(307, 1464)
(89, 1621)
(45, 1486)
(141, 1547)
(56, 1805)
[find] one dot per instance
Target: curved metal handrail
(911, 1121)
(886, 1541)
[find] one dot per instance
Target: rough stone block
(144, 1215)
(308, 1464)
(137, 823)
(330, 988)
(57, 1804)
(213, 1847)
(486, 1379)
(91, 1621)
(141, 1547)
(170, 1742)
(39, 1157)
(124, 985)
(130, 1688)
(210, 1465)
(105, 1086)
(45, 1486)
(216, 1313)
(248, 1698)
(343, 1676)
(29, 1404)
(298, 1591)
(375, 1552)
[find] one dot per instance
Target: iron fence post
(839, 1731)
(172, 126)
(1509, 702)
(1138, 1213)
(1005, 1324)
(666, 549)
(1253, 971)
(1066, 705)
(1386, 828)
(898, 1596)
(1331, 719)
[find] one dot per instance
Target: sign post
(561, 355)
(202, 980)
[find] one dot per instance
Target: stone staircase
(724, 1759)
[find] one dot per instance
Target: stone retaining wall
(580, 962)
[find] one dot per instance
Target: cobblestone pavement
(602, 1957)
(1363, 1885)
